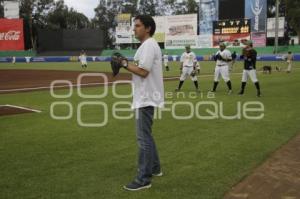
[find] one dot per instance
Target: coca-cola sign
(10, 35)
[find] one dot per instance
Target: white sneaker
(157, 174)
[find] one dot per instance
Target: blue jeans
(148, 160)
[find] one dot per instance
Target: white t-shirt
(188, 59)
(226, 54)
(148, 91)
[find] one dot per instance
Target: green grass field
(202, 159)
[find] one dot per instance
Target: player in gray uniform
(83, 59)
(188, 68)
(223, 59)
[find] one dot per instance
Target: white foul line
(20, 107)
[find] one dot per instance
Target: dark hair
(147, 21)
(290, 52)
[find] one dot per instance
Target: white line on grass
(21, 107)
(64, 86)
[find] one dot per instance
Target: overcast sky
(84, 6)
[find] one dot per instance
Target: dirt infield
(14, 110)
(12, 81)
(277, 178)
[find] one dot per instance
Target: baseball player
(233, 56)
(83, 59)
(13, 60)
(223, 59)
(198, 68)
(188, 67)
(249, 55)
(166, 61)
(289, 60)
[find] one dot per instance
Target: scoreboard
(232, 26)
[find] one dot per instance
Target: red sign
(11, 34)
(259, 39)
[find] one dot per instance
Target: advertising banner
(11, 9)
(160, 22)
(233, 40)
(11, 34)
(123, 30)
(271, 27)
(259, 39)
(204, 41)
(181, 30)
(208, 12)
(256, 10)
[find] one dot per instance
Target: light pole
(276, 26)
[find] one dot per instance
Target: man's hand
(117, 62)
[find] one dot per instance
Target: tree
(292, 12)
(148, 7)
(186, 7)
(130, 6)
(61, 17)
(34, 13)
(105, 19)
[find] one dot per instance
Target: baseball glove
(116, 63)
(194, 73)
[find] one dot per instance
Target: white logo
(256, 11)
(10, 35)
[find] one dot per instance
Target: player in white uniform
(198, 68)
(166, 61)
(289, 60)
(222, 58)
(13, 60)
(83, 59)
(188, 67)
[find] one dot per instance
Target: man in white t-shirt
(188, 67)
(148, 93)
(222, 58)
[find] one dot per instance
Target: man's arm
(137, 70)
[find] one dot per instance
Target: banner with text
(259, 39)
(208, 13)
(11, 34)
(181, 30)
(123, 30)
(271, 27)
(256, 10)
